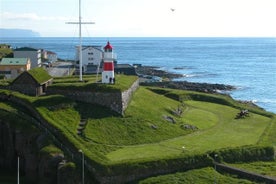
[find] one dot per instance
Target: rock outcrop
(26, 142)
(200, 87)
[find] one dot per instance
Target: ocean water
(248, 63)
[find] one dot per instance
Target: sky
(143, 18)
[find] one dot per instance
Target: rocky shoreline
(184, 85)
(155, 71)
(146, 71)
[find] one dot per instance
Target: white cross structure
(80, 39)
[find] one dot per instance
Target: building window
(5, 72)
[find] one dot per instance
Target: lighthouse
(108, 65)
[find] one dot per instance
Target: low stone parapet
(245, 174)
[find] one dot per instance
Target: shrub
(163, 165)
(244, 154)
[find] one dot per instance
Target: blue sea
(247, 63)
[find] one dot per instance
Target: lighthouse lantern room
(108, 65)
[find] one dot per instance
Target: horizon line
(144, 37)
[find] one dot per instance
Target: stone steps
(81, 127)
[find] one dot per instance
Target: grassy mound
(146, 132)
(218, 128)
(90, 83)
(158, 124)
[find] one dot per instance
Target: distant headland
(5, 33)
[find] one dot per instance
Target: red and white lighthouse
(108, 65)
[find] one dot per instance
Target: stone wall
(111, 100)
(245, 174)
(132, 173)
(126, 95)
(25, 89)
(116, 101)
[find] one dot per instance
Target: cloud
(24, 16)
(31, 17)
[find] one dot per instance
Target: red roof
(108, 46)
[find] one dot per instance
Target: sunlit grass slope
(144, 133)
(220, 131)
(150, 129)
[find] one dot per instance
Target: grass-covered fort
(161, 130)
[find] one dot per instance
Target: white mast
(80, 38)
(18, 168)
(80, 51)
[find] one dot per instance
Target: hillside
(6, 33)
(160, 130)
(5, 52)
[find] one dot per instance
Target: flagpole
(80, 38)
(18, 169)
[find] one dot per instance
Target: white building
(91, 55)
(51, 56)
(92, 58)
(27, 52)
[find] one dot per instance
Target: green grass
(75, 79)
(5, 53)
(132, 138)
(136, 126)
(11, 114)
(143, 134)
(89, 83)
(50, 149)
(39, 74)
(14, 116)
(4, 82)
(199, 176)
(227, 132)
(264, 168)
(7, 107)
(200, 118)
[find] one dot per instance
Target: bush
(2, 77)
(162, 166)
(244, 154)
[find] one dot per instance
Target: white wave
(254, 101)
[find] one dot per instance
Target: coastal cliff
(40, 162)
(11, 33)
